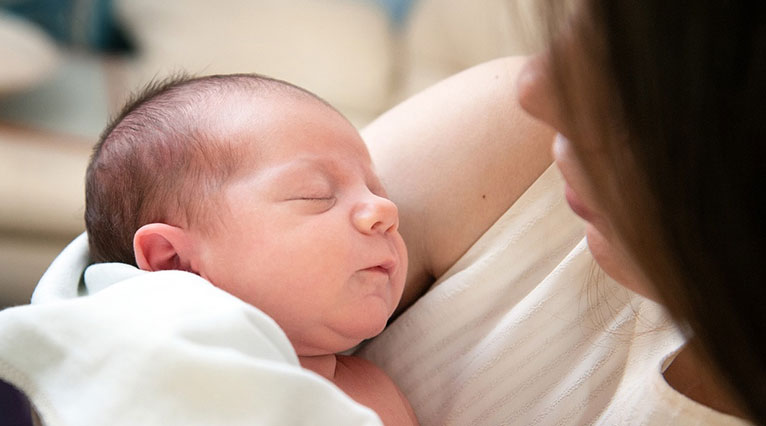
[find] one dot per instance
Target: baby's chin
(319, 349)
(333, 341)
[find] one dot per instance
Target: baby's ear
(162, 247)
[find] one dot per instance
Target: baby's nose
(376, 214)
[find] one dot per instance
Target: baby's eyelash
(313, 198)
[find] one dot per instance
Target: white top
(516, 332)
(157, 348)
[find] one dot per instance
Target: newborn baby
(269, 193)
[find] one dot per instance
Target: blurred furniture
(362, 56)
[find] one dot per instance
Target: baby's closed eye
(313, 203)
(314, 198)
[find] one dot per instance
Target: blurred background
(67, 65)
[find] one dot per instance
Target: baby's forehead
(253, 110)
(263, 126)
(265, 98)
(265, 120)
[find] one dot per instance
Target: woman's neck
(692, 376)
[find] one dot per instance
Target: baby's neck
(324, 365)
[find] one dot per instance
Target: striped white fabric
(524, 330)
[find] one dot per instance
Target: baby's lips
(387, 267)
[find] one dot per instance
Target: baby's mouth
(377, 269)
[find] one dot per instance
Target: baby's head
(261, 188)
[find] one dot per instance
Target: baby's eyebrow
(331, 170)
(299, 170)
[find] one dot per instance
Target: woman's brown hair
(667, 101)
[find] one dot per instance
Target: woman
(662, 162)
(659, 114)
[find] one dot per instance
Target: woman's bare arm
(454, 158)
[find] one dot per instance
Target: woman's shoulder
(454, 158)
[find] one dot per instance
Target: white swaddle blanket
(513, 334)
(128, 347)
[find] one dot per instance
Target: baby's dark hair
(158, 160)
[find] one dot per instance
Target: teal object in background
(398, 10)
(87, 24)
(91, 23)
